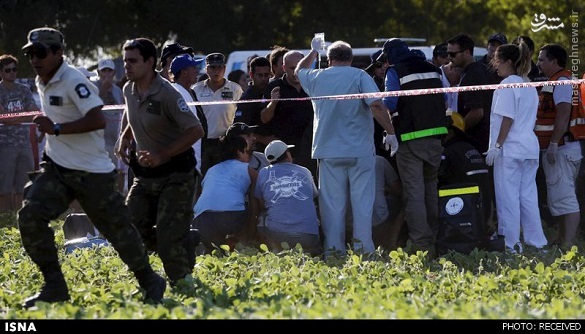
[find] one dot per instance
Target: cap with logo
(183, 61)
(275, 149)
(106, 63)
(44, 37)
(498, 37)
(215, 59)
(240, 128)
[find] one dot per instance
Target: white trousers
(517, 201)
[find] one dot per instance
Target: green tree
(94, 29)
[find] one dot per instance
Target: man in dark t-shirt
(249, 113)
(474, 106)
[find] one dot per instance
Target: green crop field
(252, 283)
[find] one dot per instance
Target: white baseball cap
(275, 149)
(106, 63)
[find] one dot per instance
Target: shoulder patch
(82, 91)
(183, 105)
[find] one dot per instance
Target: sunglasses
(40, 53)
(132, 43)
(454, 53)
(215, 67)
(379, 64)
(7, 70)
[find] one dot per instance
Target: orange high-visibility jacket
(547, 112)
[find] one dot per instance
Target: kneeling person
(287, 191)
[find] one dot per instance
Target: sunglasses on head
(454, 53)
(40, 53)
(133, 43)
(7, 70)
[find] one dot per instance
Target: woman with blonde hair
(514, 151)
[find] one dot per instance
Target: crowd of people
(326, 174)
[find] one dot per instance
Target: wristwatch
(57, 129)
(498, 145)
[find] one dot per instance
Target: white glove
(491, 155)
(391, 142)
(551, 152)
(316, 44)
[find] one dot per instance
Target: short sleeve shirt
(15, 100)
(67, 97)
(342, 128)
(288, 191)
(219, 116)
(291, 118)
(476, 74)
(519, 104)
(159, 119)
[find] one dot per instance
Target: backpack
(461, 223)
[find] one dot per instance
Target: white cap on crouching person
(275, 149)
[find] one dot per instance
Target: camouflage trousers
(49, 194)
(162, 210)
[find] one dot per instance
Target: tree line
(96, 29)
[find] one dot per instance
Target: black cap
(240, 128)
(174, 50)
(440, 50)
(215, 59)
(376, 57)
(396, 50)
(498, 37)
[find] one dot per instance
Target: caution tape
(377, 95)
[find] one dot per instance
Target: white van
(361, 56)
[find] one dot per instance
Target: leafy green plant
(253, 283)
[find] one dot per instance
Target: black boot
(152, 283)
(191, 243)
(54, 290)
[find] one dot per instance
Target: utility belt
(181, 163)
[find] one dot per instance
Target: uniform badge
(82, 91)
(227, 95)
(183, 105)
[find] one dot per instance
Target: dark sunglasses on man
(39, 53)
(8, 70)
(453, 54)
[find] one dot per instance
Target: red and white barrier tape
(378, 95)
